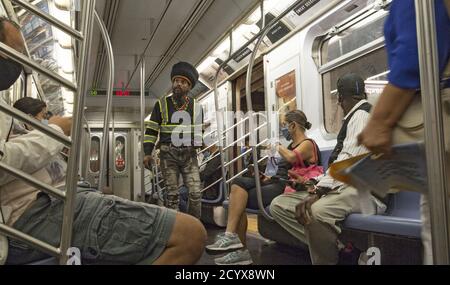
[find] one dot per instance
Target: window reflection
(362, 33)
(94, 155)
(372, 64)
(119, 154)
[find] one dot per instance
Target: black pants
(269, 191)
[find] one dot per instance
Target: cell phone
(278, 178)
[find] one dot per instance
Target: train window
(120, 154)
(285, 88)
(375, 63)
(363, 32)
(52, 49)
(94, 155)
(356, 46)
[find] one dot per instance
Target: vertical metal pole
(253, 139)
(89, 135)
(248, 95)
(72, 168)
(434, 130)
(109, 94)
(263, 19)
(112, 165)
(141, 156)
(220, 127)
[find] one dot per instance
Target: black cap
(185, 70)
(352, 85)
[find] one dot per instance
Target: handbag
(307, 173)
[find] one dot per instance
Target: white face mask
(44, 121)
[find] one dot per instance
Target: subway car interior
(108, 64)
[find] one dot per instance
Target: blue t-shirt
(401, 42)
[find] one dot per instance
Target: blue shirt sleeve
(401, 42)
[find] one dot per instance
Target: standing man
(399, 103)
(178, 119)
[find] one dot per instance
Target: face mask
(45, 122)
(9, 73)
(286, 134)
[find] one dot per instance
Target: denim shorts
(106, 229)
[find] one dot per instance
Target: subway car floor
(263, 251)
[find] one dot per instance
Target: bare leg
(181, 250)
(242, 229)
(238, 203)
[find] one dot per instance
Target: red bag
(307, 173)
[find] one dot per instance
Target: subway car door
(120, 163)
(94, 159)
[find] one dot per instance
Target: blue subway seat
(226, 204)
(324, 156)
(401, 219)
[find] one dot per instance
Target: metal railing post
(248, 95)
(72, 171)
(434, 130)
(141, 156)
(107, 117)
(72, 167)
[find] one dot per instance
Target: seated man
(105, 229)
(314, 217)
(211, 173)
(37, 109)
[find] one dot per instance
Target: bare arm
(306, 150)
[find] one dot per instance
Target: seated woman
(243, 189)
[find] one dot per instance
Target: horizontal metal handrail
(50, 19)
(243, 154)
(243, 137)
(245, 170)
(13, 112)
(237, 175)
(19, 57)
(32, 181)
(15, 234)
(235, 125)
(209, 159)
(236, 141)
(210, 133)
(206, 148)
(211, 185)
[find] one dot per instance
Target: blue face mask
(206, 154)
(286, 134)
